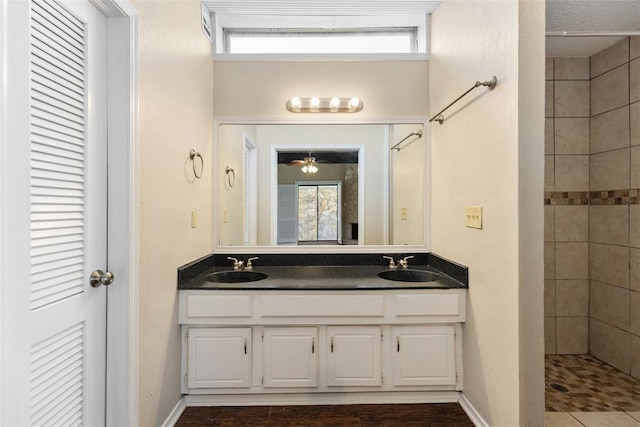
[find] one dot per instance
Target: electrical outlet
(194, 219)
(473, 217)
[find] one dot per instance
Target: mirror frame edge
(243, 120)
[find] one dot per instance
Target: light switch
(194, 219)
(473, 217)
(403, 214)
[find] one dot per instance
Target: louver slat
(57, 154)
(67, 207)
(55, 266)
(46, 98)
(47, 259)
(43, 281)
(57, 370)
(48, 185)
(58, 129)
(41, 135)
(43, 156)
(53, 37)
(49, 113)
(52, 288)
(58, 169)
(50, 250)
(60, 18)
(39, 90)
(55, 237)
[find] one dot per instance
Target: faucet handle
(236, 263)
(249, 264)
(392, 263)
(403, 262)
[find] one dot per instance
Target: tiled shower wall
(592, 211)
(566, 206)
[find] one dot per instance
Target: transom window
(340, 41)
(235, 34)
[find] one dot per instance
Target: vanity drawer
(448, 304)
(215, 305)
(321, 305)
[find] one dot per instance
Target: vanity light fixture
(324, 105)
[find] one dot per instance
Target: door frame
(276, 148)
(122, 225)
(122, 299)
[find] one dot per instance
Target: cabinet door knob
(398, 342)
(331, 344)
(245, 346)
(313, 346)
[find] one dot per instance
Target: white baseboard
(337, 398)
(325, 399)
(174, 416)
(471, 411)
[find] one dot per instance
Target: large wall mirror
(320, 187)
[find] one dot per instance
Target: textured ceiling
(588, 15)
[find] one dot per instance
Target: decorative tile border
(575, 198)
(566, 198)
(614, 197)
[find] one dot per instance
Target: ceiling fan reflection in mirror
(309, 164)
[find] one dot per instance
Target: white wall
(175, 115)
(261, 88)
(231, 201)
(408, 170)
(489, 152)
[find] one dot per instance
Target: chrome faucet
(392, 263)
(403, 262)
(249, 264)
(237, 264)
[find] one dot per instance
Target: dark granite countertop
(321, 273)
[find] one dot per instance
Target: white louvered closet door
(68, 213)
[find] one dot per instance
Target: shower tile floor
(592, 386)
(580, 390)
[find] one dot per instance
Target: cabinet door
(354, 356)
(290, 357)
(423, 355)
(219, 357)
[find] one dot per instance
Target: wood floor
(413, 415)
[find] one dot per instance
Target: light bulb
(295, 102)
(305, 169)
(335, 102)
(354, 102)
(315, 102)
(313, 169)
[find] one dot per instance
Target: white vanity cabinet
(354, 356)
(290, 357)
(423, 355)
(390, 346)
(218, 357)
